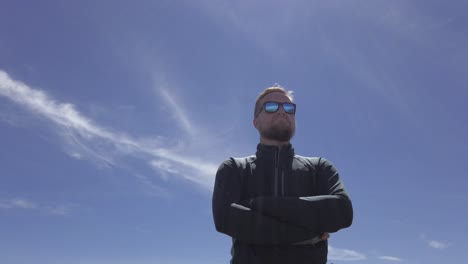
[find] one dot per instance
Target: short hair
(275, 88)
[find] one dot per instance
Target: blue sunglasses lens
(289, 108)
(271, 107)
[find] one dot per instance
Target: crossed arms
(279, 220)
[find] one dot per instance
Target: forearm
(253, 227)
(324, 213)
(249, 226)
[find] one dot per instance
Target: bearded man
(279, 207)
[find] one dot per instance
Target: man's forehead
(276, 96)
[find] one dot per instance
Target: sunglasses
(271, 107)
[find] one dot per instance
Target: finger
(325, 236)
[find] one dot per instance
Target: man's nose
(280, 109)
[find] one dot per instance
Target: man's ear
(255, 122)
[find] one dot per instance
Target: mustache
(282, 116)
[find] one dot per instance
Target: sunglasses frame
(278, 104)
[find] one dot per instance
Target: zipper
(282, 182)
(279, 176)
(277, 158)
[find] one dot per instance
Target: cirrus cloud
(86, 138)
(390, 258)
(344, 254)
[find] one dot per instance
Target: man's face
(278, 126)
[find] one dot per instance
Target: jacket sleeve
(328, 212)
(247, 225)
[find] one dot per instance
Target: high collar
(274, 152)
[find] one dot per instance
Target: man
(279, 207)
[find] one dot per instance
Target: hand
(314, 240)
(324, 236)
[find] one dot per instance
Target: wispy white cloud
(434, 243)
(58, 210)
(370, 73)
(165, 166)
(25, 204)
(17, 203)
(437, 244)
(390, 258)
(344, 254)
(263, 24)
(85, 137)
(76, 155)
(178, 111)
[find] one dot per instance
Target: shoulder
(243, 161)
(237, 162)
(316, 162)
(307, 160)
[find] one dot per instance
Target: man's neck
(270, 142)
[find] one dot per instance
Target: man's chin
(283, 136)
(281, 121)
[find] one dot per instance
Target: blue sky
(114, 117)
